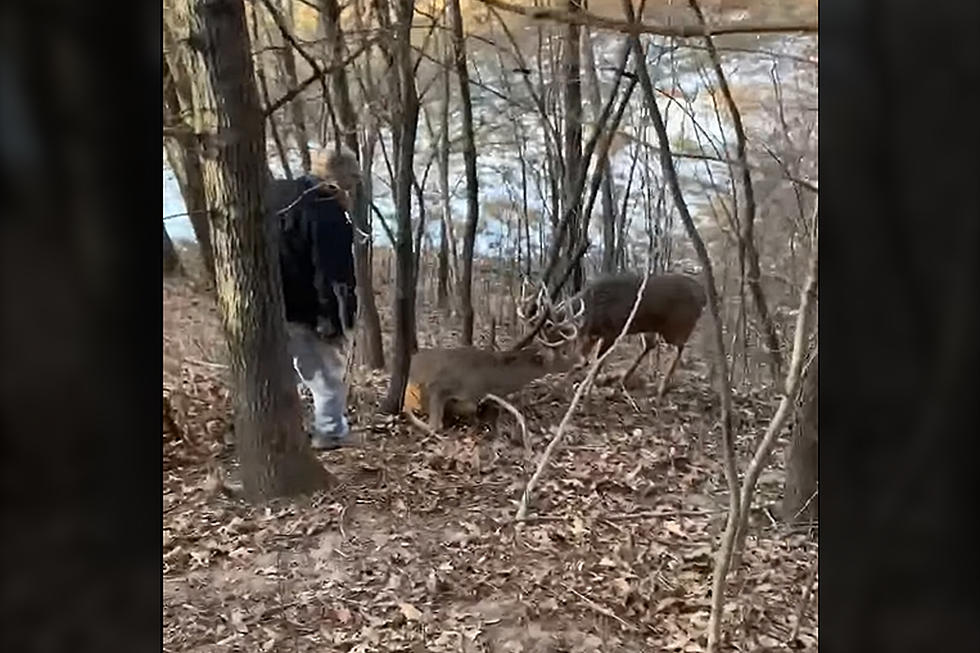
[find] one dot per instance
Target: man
(319, 288)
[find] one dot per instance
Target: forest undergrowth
(416, 548)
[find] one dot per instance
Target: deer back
(469, 373)
(671, 306)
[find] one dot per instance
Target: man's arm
(333, 263)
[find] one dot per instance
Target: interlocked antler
(536, 304)
(567, 325)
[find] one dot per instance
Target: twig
(627, 516)
(218, 366)
(603, 610)
(804, 603)
(315, 77)
(517, 415)
(579, 393)
(419, 424)
(288, 36)
(183, 214)
(806, 504)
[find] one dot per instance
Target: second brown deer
(458, 379)
(670, 307)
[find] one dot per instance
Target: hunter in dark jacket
(316, 261)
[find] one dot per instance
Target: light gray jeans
(320, 366)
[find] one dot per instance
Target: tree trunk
(275, 454)
(447, 240)
(186, 165)
(171, 262)
(747, 249)
(300, 134)
(571, 197)
(442, 289)
(800, 490)
(469, 159)
(371, 322)
(608, 209)
(404, 128)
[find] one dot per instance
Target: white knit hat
(337, 166)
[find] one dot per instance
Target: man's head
(338, 167)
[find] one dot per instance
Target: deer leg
(648, 345)
(670, 370)
(437, 406)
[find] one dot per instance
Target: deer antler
(522, 302)
(566, 327)
(538, 303)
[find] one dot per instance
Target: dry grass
(416, 550)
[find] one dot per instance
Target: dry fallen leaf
(410, 611)
(343, 615)
(237, 619)
(622, 587)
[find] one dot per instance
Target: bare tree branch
(791, 388)
(582, 389)
(747, 250)
(317, 76)
(627, 27)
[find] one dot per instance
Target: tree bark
(370, 319)
(171, 261)
(183, 159)
(800, 490)
(404, 128)
(572, 200)
(608, 203)
(275, 454)
(469, 161)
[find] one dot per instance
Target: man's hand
(325, 328)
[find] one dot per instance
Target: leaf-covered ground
(416, 549)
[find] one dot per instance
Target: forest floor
(416, 549)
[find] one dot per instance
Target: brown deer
(459, 378)
(671, 306)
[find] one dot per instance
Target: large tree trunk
(800, 490)
(405, 125)
(370, 320)
(275, 454)
(183, 159)
(571, 197)
(608, 209)
(171, 262)
(469, 160)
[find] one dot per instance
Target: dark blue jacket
(316, 257)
